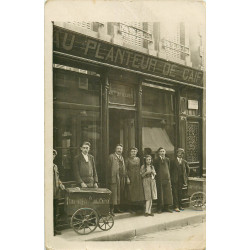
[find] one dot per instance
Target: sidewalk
(126, 228)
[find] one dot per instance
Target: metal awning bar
(157, 86)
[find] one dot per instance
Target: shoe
(152, 214)
(177, 209)
(118, 211)
(131, 211)
(57, 232)
(159, 211)
(169, 210)
(146, 214)
(181, 208)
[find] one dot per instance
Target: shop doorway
(121, 129)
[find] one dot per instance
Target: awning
(156, 137)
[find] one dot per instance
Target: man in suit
(163, 182)
(117, 177)
(179, 176)
(57, 185)
(84, 168)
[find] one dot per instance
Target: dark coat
(162, 168)
(85, 171)
(116, 169)
(179, 172)
(116, 178)
(56, 182)
(163, 182)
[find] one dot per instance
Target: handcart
(198, 201)
(88, 208)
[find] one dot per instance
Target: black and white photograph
(125, 126)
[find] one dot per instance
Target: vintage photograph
(128, 109)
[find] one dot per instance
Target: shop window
(193, 107)
(189, 106)
(157, 101)
(159, 133)
(71, 128)
(73, 87)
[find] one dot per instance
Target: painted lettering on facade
(83, 46)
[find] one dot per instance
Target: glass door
(122, 129)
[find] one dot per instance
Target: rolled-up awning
(156, 137)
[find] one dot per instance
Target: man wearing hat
(57, 185)
(179, 176)
(84, 168)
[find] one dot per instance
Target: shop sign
(80, 45)
(193, 104)
(121, 94)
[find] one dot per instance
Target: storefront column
(105, 126)
(139, 119)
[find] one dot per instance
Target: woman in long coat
(148, 179)
(135, 188)
(163, 181)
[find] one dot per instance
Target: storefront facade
(108, 94)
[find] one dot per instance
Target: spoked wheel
(106, 222)
(84, 220)
(198, 201)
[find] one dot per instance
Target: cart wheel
(84, 220)
(198, 201)
(106, 222)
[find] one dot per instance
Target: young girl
(148, 179)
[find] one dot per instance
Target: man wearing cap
(117, 177)
(57, 185)
(179, 176)
(84, 168)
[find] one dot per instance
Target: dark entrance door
(121, 129)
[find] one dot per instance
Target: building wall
(177, 42)
(171, 40)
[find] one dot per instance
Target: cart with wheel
(88, 208)
(198, 201)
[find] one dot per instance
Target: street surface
(189, 237)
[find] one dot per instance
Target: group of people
(155, 179)
(131, 181)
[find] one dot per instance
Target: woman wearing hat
(179, 176)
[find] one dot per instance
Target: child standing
(148, 180)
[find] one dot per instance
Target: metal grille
(193, 142)
(134, 34)
(130, 35)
